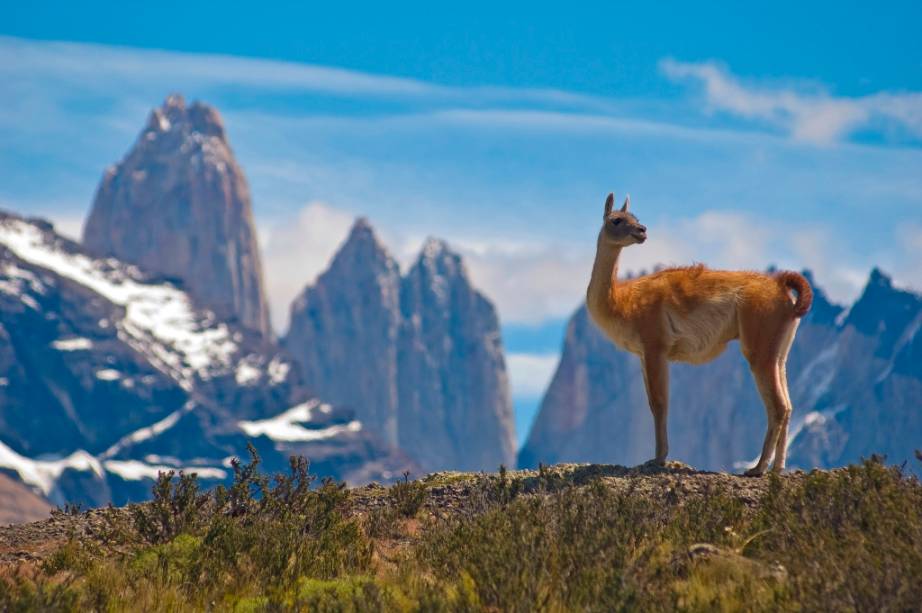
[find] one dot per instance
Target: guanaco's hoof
(755, 471)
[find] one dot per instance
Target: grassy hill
(568, 537)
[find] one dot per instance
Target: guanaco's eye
(616, 221)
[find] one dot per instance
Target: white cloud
(90, 66)
(812, 116)
(910, 236)
(908, 272)
(296, 251)
(529, 282)
(77, 61)
(467, 165)
(530, 373)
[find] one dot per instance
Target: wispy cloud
(89, 66)
(812, 115)
(511, 177)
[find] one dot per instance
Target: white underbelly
(702, 335)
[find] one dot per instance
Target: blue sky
(746, 136)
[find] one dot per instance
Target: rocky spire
(455, 410)
(418, 358)
(179, 205)
(344, 331)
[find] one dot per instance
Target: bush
(407, 496)
(258, 537)
(849, 539)
(578, 548)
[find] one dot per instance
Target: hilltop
(587, 537)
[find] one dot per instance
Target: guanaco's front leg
(656, 378)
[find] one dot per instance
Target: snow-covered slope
(159, 319)
(108, 375)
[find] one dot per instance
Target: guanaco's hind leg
(781, 448)
(656, 378)
(765, 341)
(768, 381)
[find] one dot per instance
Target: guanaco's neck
(604, 279)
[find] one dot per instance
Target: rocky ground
(582, 537)
(446, 493)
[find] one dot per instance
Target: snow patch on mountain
(135, 470)
(108, 374)
(817, 376)
(43, 474)
(247, 373)
(289, 426)
(278, 370)
(148, 432)
(813, 419)
(159, 320)
(72, 344)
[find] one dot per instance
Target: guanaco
(689, 315)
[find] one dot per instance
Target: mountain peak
(174, 101)
(439, 258)
(436, 248)
(879, 278)
(175, 116)
(883, 310)
(362, 231)
(362, 245)
(178, 205)
(418, 357)
(879, 285)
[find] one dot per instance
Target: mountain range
(147, 347)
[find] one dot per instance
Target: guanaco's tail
(799, 284)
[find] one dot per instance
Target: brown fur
(690, 314)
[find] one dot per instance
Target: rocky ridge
(447, 492)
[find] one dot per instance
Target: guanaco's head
(620, 228)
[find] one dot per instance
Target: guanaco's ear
(609, 203)
(627, 204)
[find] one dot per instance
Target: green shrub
(581, 548)
(348, 595)
(849, 539)
(407, 496)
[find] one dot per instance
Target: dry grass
(587, 538)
